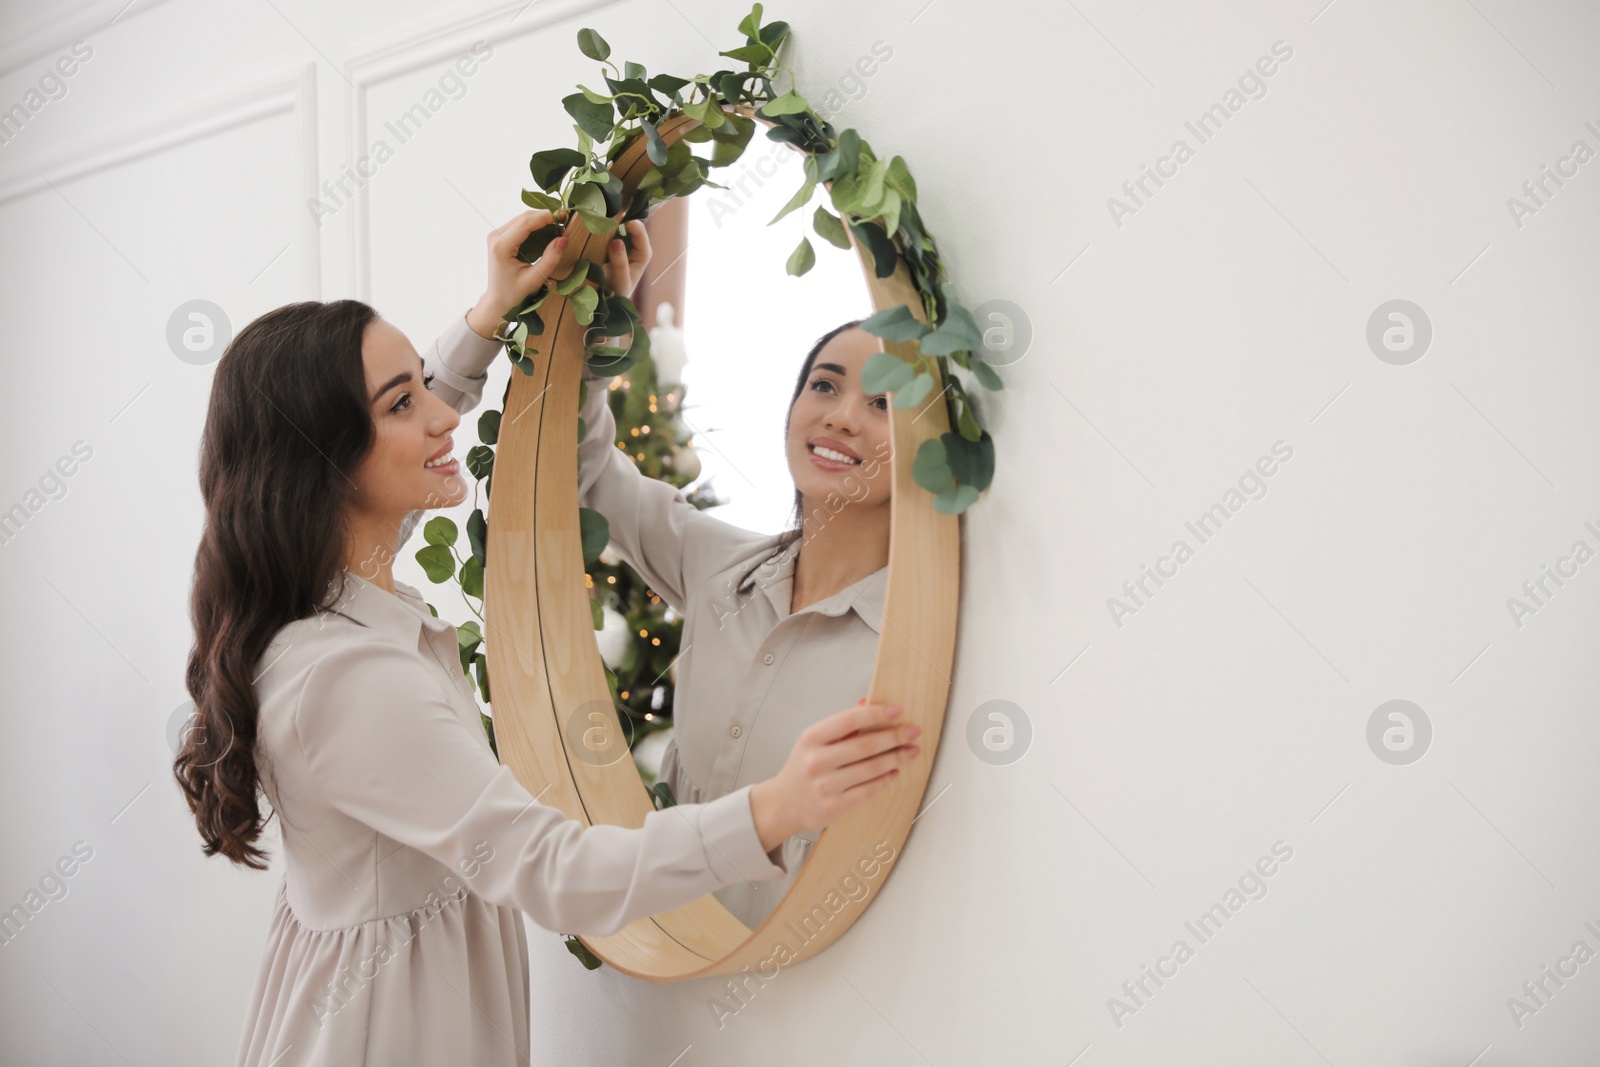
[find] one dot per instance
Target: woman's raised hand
(624, 269)
(835, 765)
(510, 279)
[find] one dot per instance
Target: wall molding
(383, 58)
(58, 34)
(292, 91)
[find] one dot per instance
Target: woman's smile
(441, 462)
(832, 455)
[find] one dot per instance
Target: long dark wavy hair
(796, 518)
(287, 426)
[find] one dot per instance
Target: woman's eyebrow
(834, 367)
(398, 379)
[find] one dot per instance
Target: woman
(775, 626)
(328, 685)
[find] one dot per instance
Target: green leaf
(472, 578)
(843, 159)
(916, 392)
(481, 666)
(754, 54)
(930, 469)
(802, 259)
(489, 427)
(830, 227)
(606, 366)
(790, 103)
(531, 249)
(633, 71)
(468, 638)
(599, 98)
(985, 374)
(895, 324)
(480, 460)
(580, 272)
(550, 166)
(524, 312)
(801, 195)
(750, 25)
(667, 84)
(955, 500)
(884, 372)
(898, 178)
(967, 423)
(437, 562)
(593, 45)
(597, 615)
(971, 462)
(654, 146)
(536, 199)
(584, 301)
(595, 531)
(879, 244)
(959, 330)
(600, 225)
(439, 531)
(589, 960)
(588, 198)
(663, 794)
(478, 535)
(597, 120)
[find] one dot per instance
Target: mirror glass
(722, 660)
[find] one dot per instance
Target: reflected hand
(835, 765)
(510, 279)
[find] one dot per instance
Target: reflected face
(839, 440)
(410, 466)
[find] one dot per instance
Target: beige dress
(751, 676)
(409, 849)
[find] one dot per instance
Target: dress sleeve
(668, 540)
(459, 361)
(387, 749)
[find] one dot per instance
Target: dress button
(736, 731)
(768, 658)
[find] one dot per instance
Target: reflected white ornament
(613, 638)
(667, 348)
(649, 753)
(686, 461)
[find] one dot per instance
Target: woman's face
(839, 439)
(411, 427)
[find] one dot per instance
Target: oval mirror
(772, 639)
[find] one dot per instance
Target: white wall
(1168, 753)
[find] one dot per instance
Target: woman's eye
(882, 402)
(405, 398)
(822, 384)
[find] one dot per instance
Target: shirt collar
(401, 616)
(865, 597)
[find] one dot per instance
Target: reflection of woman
(778, 629)
(324, 683)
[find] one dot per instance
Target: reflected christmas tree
(641, 636)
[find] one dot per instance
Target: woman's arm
(381, 744)
(668, 540)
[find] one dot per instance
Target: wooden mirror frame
(535, 601)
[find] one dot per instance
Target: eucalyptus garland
(873, 198)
